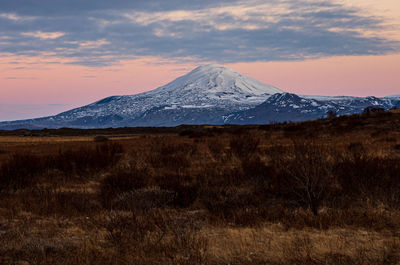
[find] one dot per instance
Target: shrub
(366, 178)
(20, 171)
(258, 172)
(86, 159)
(230, 205)
(120, 181)
(100, 138)
(330, 114)
(185, 195)
(49, 201)
(305, 175)
(373, 109)
(130, 228)
(184, 188)
(23, 170)
(195, 133)
(244, 146)
(216, 148)
(143, 199)
(170, 155)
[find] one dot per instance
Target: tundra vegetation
(319, 192)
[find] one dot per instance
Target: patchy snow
(329, 98)
(196, 106)
(393, 96)
(171, 107)
(209, 93)
(206, 86)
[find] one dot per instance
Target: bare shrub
(390, 253)
(364, 178)
(86, 159)
(120, 181)
(217, 149)
(50, 201)
(20, 171)
(185, 188)
(231, 205)
(244, 145)
(23, 170)
(258, 172)
(170, 156)
(330, 114)
(195, 133)
(373, 109)
(143, 199)
(100, 138)
(129, 228)
(305, 174)
(338, 259)
(185, 195)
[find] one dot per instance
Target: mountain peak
(214, 80)
(284, 96)
(210, 94)
(210, 68)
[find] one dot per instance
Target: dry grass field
(320, 192)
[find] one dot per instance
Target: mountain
(393, 96)
(204, 95)
(210, 94)
(291, 107)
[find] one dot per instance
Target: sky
(59, 54)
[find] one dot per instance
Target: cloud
(43, 35)
(14, 17)
(98, 33)
(19, 78)
(78, 7)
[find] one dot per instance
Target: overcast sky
(55, 54)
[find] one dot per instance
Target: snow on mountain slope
(210, 94)
(353, 104)
(207, 92)
(292, 107)
(393, 96)
(216, 81)
(206, 86)
(329, 98)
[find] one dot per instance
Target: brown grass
(321, 192)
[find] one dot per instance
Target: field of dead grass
(321, 192)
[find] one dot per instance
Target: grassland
(320, 192)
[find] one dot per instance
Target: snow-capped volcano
(214, 81)
(204, 95)
(210, 94)
(206, 87)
